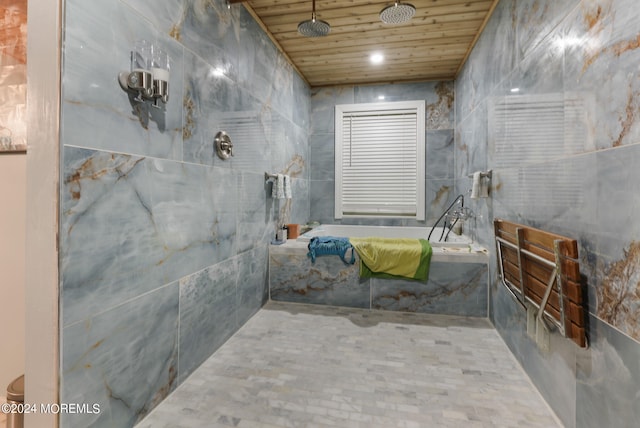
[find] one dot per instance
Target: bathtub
(457, 284)
(352, 231)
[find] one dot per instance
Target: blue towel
(326, 245)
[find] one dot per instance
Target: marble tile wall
(163, 246)
(439, 183)
(587, 54)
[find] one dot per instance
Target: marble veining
(618, 302)
(207, 313)
(452, 288)
(105, 360)
(110, 254)
(294, 278)
(439, 112)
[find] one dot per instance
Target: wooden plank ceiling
(433, 45)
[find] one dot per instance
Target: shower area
(164, 247)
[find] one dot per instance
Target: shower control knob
(223, 145)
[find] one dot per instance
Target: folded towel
(277, 190)
(393, 258)
(330, 245)
(475, 185)
(287, 187)
(281, 188)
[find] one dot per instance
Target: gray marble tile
(208, 307)
(440, 154)
(617, 248)
(323, 102)
(254, 211)
(222, 27)
(452, 289)
(439, 195)
(490, 62)
(440, 108)
(256, 59)
(125, 360)
(472, 138)
(607, 379)
(536, 19)
(294, 278)
(301, 102)
(601, 56)
(290, 152)
(194, 213)
(282, 99)
(322, 201)
(133, 224)
(438, 96)
(216, 103)
(300, 209)
(253, 283)
(322, 155)
(108, 241)
(96, 112)
(552, 373)
(167, 16)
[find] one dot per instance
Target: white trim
(44, 20)
(389, 108)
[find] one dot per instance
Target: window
(379, 160)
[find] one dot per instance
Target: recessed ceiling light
(514, 90)
(376, 58)
(381, 97)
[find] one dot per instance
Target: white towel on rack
(475, 186)
(281, 187)
(287, 187)
(483, 192)
(277, 191)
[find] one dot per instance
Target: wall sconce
(148, 79)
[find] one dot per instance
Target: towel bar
(487, 174)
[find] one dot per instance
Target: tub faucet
(460, 213)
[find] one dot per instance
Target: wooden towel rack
(542, 269)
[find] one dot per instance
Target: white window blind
(380, 160)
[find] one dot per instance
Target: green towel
(393, 257)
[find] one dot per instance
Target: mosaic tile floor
(296, 365)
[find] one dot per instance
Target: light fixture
(376, 58)
(148, 79)
(381, 97)
(314, 27)
(515, 90)
(397, 13)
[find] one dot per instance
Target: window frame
(417, 106)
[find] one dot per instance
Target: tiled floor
(296, 365)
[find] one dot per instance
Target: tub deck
(457, 284)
